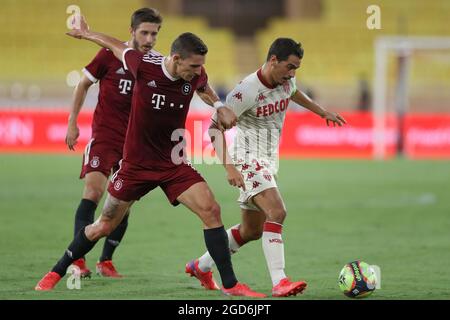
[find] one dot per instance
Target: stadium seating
(49, 55)
(339, 47)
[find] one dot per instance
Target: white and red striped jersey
(261, 109)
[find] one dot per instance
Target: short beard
(135, 44)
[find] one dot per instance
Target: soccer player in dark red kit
(162, 94)
(109, 125)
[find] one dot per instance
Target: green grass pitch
(394, 214)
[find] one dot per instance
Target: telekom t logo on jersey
(125, 86)
(159, 100)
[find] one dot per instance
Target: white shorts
(257, 178)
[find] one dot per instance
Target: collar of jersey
(166, 73)
(263, 81)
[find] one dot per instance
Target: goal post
(402, 47)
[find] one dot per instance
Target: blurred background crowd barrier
(40, 66)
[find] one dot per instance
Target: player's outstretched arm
(302, 99)
(82, 32)
(234, 177)
(226, 118)
(79, 95)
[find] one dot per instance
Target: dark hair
(145, 15)
(282, 48)
(188, 43)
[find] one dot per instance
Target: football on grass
(357, 279)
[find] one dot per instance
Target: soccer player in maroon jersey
(162, 94)
(109, 125)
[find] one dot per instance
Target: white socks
(272, 245)
(206, 263)
(273, 248)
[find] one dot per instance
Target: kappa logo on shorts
(250, 175)
(118, 184)
(256, 184)
(95, 162)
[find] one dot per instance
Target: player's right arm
(234, 177)
(226, 117)
(79, 95)
(103, 40)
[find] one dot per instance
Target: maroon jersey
(160, 105)
(114, 99)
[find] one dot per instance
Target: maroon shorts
(101, 156)
(131, 182)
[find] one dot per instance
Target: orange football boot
(242, 290)
(287, 288)
(107, 269)
(206, 278)
(48, 282)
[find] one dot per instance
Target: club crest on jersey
(118, 184)
(95, 162)
(186, 88)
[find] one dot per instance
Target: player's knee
(93, 193)
(211, 213)
(277, 215)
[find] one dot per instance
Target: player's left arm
(302, 99)
(226, 117)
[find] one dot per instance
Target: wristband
(218, 104)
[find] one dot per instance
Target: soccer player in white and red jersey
(260, 102)
(161, 98)
(109, 125)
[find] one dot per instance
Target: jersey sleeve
(98, 67)
(131, 60)
(240, 99)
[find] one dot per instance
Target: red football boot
(107, 269)
(84, 270)
(206, 278)
(287, 288)
(242, 290)
(48, 282)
